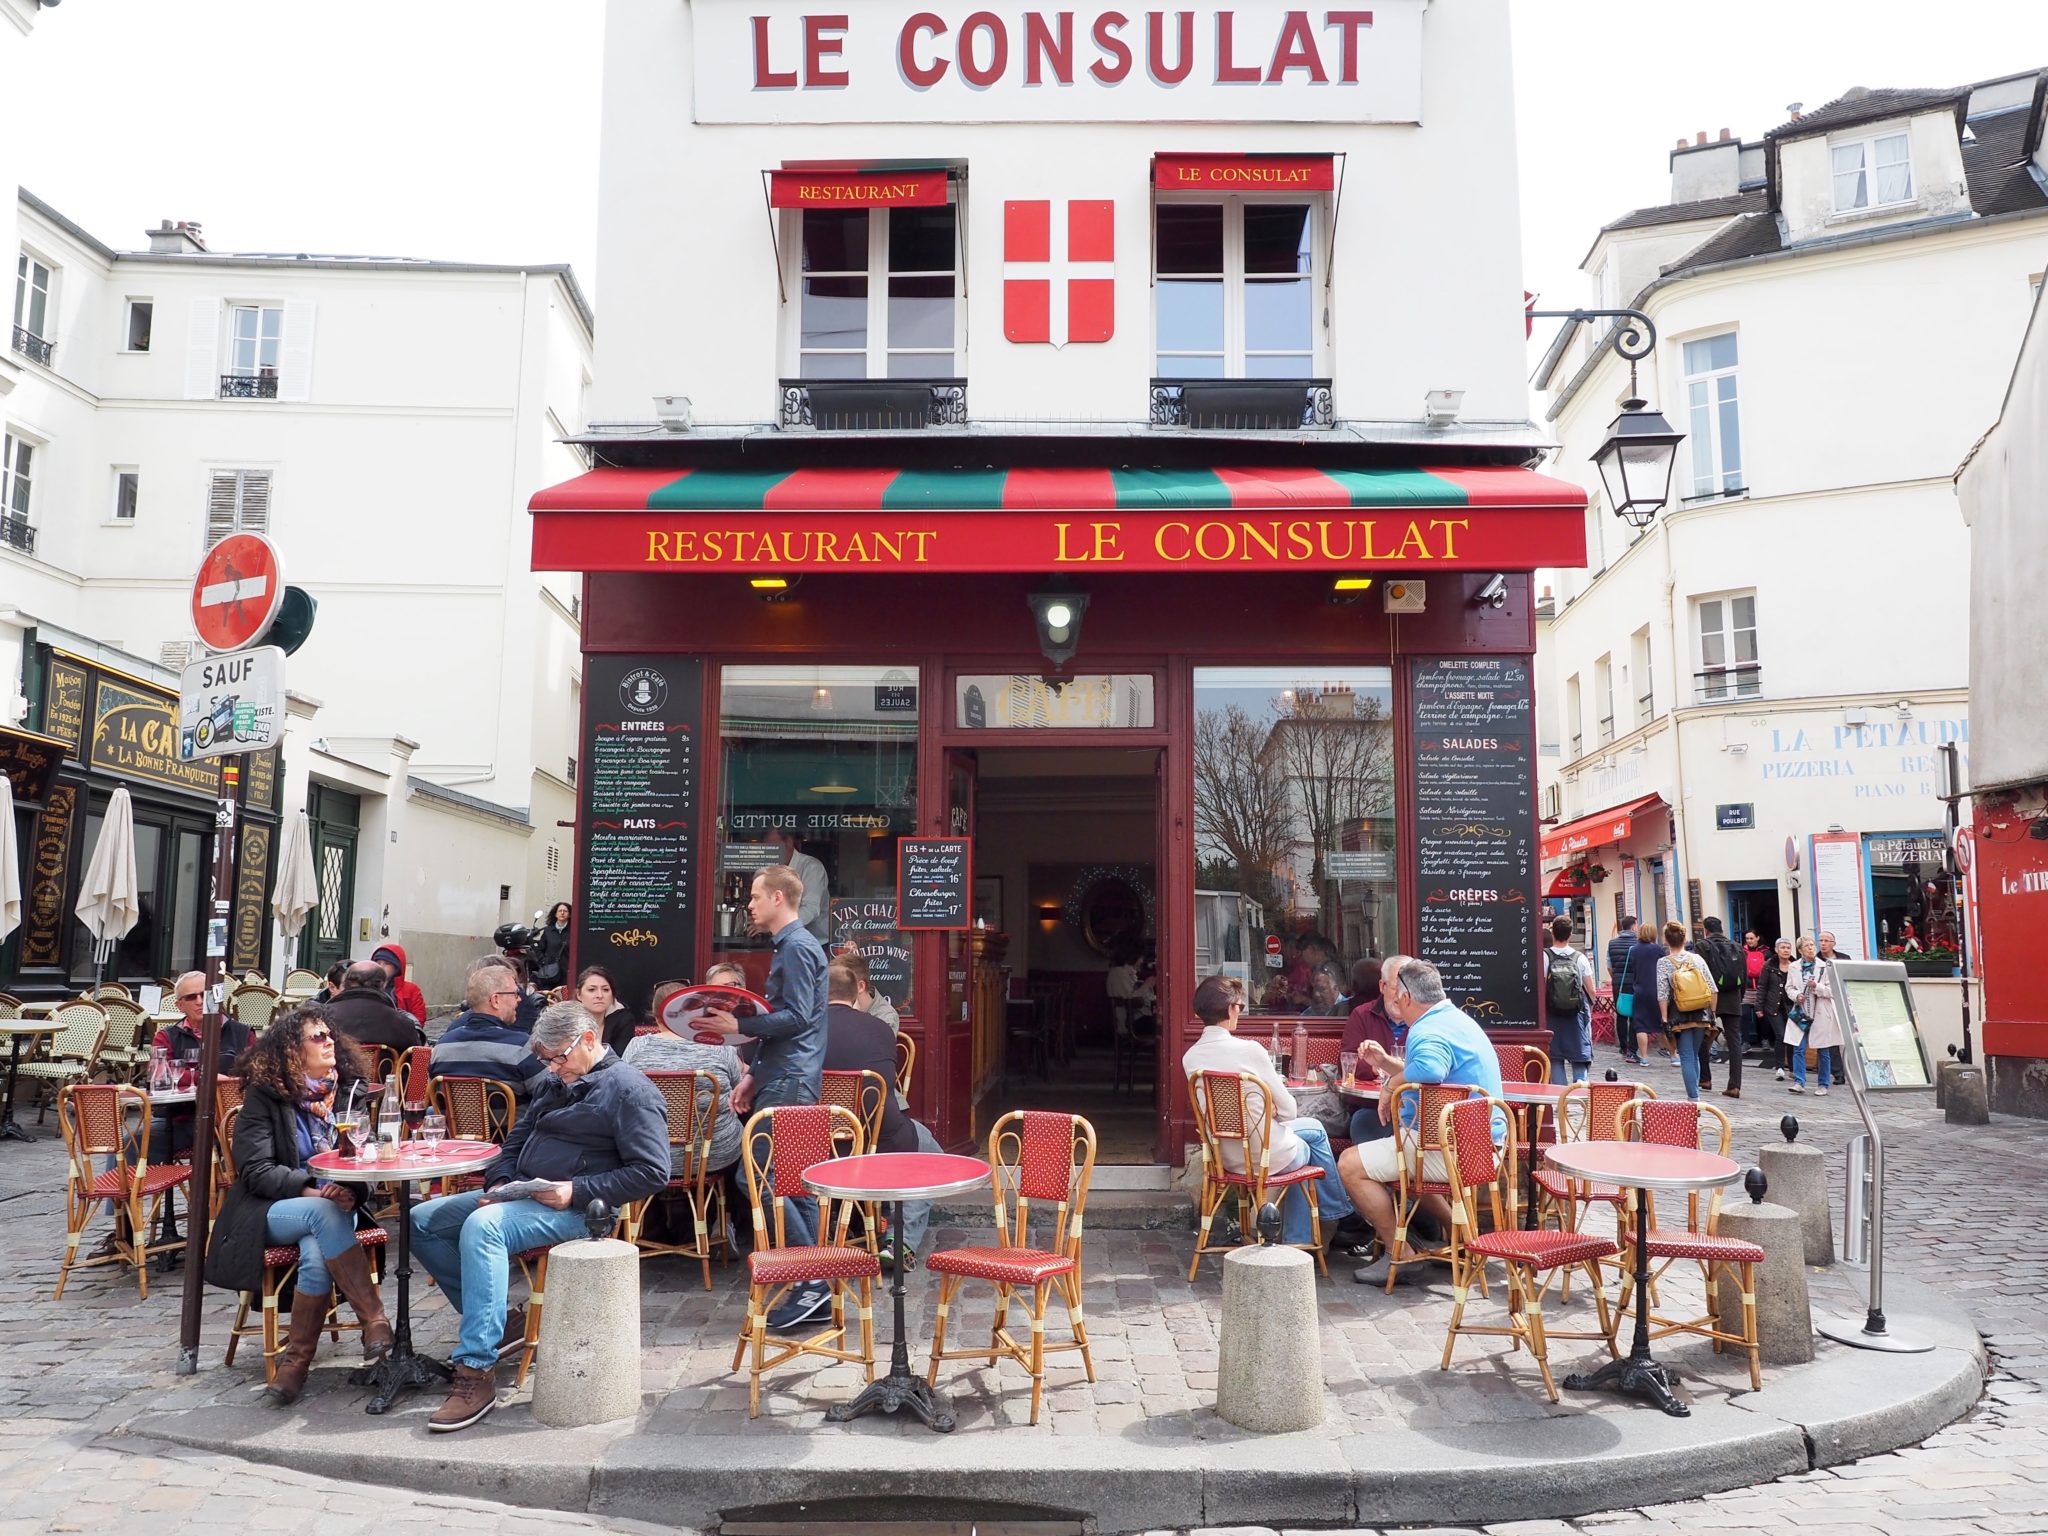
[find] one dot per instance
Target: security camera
(1494, 594)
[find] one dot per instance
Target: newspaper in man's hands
(522, 1189)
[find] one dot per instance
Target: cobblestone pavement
(1965, 1212)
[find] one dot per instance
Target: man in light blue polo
(1443, 1045)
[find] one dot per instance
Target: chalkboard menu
(868, 923)
(637, 834)
(934, 881)
(1475, 819)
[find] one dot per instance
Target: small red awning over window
(857, 189)
(1597, 831)
(1244, 173)
(1570, 881)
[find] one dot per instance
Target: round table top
(897, 1176)
(172, 1095)
(1363, 1089)
(449, 1157)
(29, 1026)
(1532, 1093)
(1643, 1165)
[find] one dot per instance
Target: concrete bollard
(1966, 1097)
(1784, 1316)
(1799, 1178)
(587, 1368)
(1269, 1368)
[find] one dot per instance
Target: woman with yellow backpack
(1685, 994)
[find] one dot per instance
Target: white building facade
(382, 422)
(1742, 707)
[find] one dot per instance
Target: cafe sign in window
(1020, 701)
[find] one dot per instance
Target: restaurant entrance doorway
(1067, 867)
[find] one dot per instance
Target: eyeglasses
(323, 1038)
(191, 997)
(555, 1061)
(505, 992)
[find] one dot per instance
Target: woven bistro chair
(300, 983)
(796, 1137)
(72, 1053)
(255, 1005)
(1532, 1259)
(111, 989)
(906, 1063)
(866, 1095)
(694, 1101)
(1321, 1052)
(416, 1074)
(10, 1006)
(1586, 1112)
(1523, 1063)
(1233, 1109)
(1685, 1123)
(110, 1120)
(1037, 1155)
(473, 1109)
(129, 1034)
(227, 1101)
(1416, 1143)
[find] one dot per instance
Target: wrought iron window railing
(1243, 405)
(248, 386)
(873, 405)
(1718, 683)
(18, 533)
(33, 347)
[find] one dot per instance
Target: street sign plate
(233, 703)
(236, 594)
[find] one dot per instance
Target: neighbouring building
(2003, 488)
(1742, 706)
(382, 422)
(1089, 514)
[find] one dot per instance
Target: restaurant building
(1069, 472)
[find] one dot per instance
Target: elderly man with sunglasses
(595, 1129)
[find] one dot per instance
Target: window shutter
(221, 497)
(202, 351)
(255, 510)
(295, 352)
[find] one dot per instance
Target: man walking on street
(789, 1053)
(1731, 975)
(1618, 947)
(1568, 1005)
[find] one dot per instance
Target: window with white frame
(1639, 669)
(255, 334)
(1234, 288)
(237, 501)
(878, 293)
(141, 321)
(1603, 696)
(1872, 173)
(1575, 717)
(1729, 668)
(1714, 425)
(32, 281)
(17, 477)
(127, 494)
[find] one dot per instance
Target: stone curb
(1845, 1405)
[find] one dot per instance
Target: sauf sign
(896, 61)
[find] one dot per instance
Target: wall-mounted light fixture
(1058, 614)
(774, 589)
(673, 412)
(1636, 459)
(1440, 407)
(1049, 912)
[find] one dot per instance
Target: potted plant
(1932, 960)
(1595, 873)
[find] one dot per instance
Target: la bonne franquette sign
(828, 61)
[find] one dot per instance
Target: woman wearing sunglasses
(291, 1079)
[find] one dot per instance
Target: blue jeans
(1825, 1059)
(1366, 1124)
(799, 1212)
(1331, 1200)
(467, 1247)
(1562, 1071)
(323, 1231)
(1691, 1044)
(917, 1214)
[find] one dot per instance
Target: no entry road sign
(236, 594)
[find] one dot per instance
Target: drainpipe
(1682, 836)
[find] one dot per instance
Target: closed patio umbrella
(10, 864)
(296, 888)
(108, 903)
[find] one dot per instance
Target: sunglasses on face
(189, 997)
(322, 1038)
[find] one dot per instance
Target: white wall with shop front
(1427, 279)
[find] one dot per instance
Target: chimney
(1703, 168)
(1700, 137)
(179, 239)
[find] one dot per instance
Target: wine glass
(412, 1113)
(431, 1129)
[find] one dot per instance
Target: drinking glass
(431, 1129)
(414, 1111)
(345, 1134)
(1347, 1063)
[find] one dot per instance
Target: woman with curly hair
(290, 1079)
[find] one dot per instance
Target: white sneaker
(1821, 1092)
(1795, 1088)
(1781, 1074)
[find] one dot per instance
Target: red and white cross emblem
(1050, 299)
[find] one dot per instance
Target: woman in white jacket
(1813, 999)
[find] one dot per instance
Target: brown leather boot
(351, 1272)
(474, 1394)
(309, 1313)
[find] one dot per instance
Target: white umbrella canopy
(10, 864)
(108, 903)
(297, 890)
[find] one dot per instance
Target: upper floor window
(1871, 173)
(141, 319)
(127, 494)
(1715, 429)
(255, 334)
(17, 483)
(1574, 707)
(1234, 289)
(1603, 696)
(879, 294)
(33, 318)
(1646, 690)
(1729, 668)
(237, 501)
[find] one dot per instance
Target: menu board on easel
(1475, 819)
(934, 883)
(1875, 1003)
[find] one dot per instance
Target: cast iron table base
(899, 1389)
(9, 1130)
(1636, 1374)
(400, 1370)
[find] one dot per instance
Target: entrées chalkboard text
(934, 882)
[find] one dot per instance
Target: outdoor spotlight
(1440, 407)
(1059, 623)
(673, 412)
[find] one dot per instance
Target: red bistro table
(416, 1163)
(1533, 1098)
(896, 1177)
(1641, 1165)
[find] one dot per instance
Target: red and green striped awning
(1040, 519)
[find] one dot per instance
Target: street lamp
(1058, 614)
(1636, 460)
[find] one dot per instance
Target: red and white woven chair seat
(1560, 1187)
(1542, 1250)
(1698, 1245)
(113, 1184)
(1299, 1175)
(787, 1266)
(1004, 1266)
(280, 1254)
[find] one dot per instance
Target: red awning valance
(857, 189)
(1597, 831)
(1244, 173)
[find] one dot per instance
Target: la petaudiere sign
(892, 61)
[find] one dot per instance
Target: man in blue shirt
(789, 1051)
(1443, 1045)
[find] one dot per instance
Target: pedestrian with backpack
(1618, 949)
(1731, 975)
(1568, 1003)
(1685, 999)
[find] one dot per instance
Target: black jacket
(368, 1017)
(550, 954)
(607, 1133)
(1772, 997)
(860, 1042)
(617, 1030)
(1724, 958)
(267, 1170)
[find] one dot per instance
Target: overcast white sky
(467, 129)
